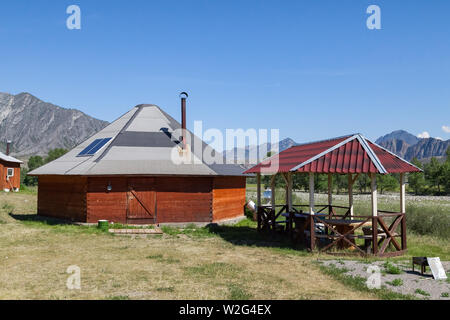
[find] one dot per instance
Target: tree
(386, 182)
(320, 182)
(37, 161)
(434, 174)
(340, 182)
(446, 176)
(446, 172)
(300, 181)
(33, 163)
(362, 183)
(279, 181)
(55, 154)
(416, 180)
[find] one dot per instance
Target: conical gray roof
(141, 142)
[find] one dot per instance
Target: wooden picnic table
(346, 222)
(300, 219)
(343, 226)
(304, 215)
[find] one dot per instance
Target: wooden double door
(141, 201)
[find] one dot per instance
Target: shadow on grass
(34, 218)
(241, 234)
(417, 273)
(246, 235)
(56, 225)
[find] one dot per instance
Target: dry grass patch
(34, 257)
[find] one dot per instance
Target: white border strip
(372, 154)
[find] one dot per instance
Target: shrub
(248, 213)
(428, 220)
(391, 268)
(396, 282)
(238, 293)
(422, 292)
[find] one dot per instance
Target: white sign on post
(436, 268)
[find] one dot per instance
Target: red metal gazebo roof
(348, 154)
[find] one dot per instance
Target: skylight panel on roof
(94, 147)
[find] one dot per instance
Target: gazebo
(322, 226)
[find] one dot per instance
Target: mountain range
(409, 146)
(35, 127)
(253, 152)
(400, 142)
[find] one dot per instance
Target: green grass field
(221, 262)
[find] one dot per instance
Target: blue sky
(309, 68)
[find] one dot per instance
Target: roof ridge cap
(146, 105)
(321, 154)
(371, 153)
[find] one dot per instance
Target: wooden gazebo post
(311, 193)
(289, 182)
(273, 188)
(273, 200)
(311, 211)
(350, 194)
(403, 208)
(289, 191)
(373, 177)
(258, 199)
(330, 193)
(402, 193)
(288, 188)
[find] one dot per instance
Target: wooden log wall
(184, 199)
(228, 197)
(104, 204)
(62, 197)
(178, 199)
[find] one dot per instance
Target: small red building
(9, 172)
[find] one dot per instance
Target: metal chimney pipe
(183, 97)
(8, 146)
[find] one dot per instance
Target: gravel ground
(411, 280)
(383, 199)
(388, 197)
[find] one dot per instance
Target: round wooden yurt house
(125, 173)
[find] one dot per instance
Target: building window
(10, 172)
